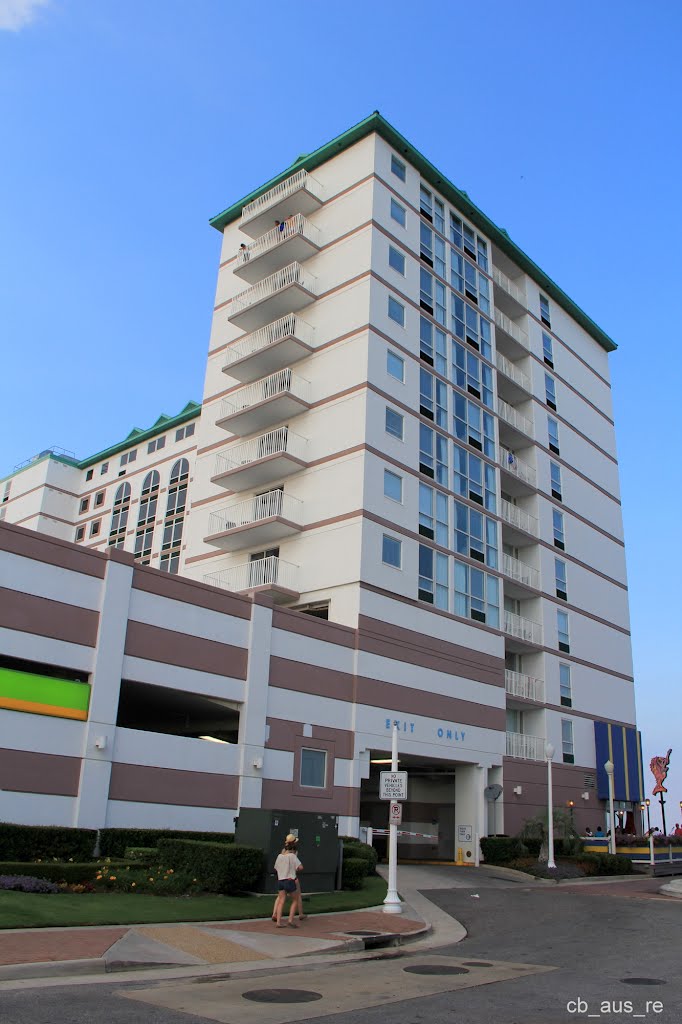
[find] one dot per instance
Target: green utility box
(318, 844)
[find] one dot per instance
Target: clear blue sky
(125, 125)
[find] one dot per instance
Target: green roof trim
(163, 423)
(456, 196)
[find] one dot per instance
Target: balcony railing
(281, 192)
(512, 371)
(517, 684)
(509, 287)
(296, 225)
(511, 463)
(512, 329)
(520, 572)
(514, 418)
(522, 629)
(518, 517)
(263, 572)
(276, 442)
(283, 382)
(293, 274)
(530, 747)
(255, 510)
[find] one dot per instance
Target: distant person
(588, 831)
(244, 252)
(599, 834)
(299, 894)
(279, 224)
(678, 830)
(286, 866)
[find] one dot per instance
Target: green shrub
(354, 872)
(27, 842)
(158, 880)
(139, 853)
(218, 867)
(113, 842)
(354, 848)
(502, 849)
(533, 846)
(55, 871)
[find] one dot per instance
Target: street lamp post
(648, 815)
(571, 804)
(608, 768)
(549, 754)
(642, 808)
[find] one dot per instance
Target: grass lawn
(28, 910)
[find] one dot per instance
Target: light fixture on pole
(608, 768)
(549, 754)
(648, 814)
(571, 804)
(642, 808)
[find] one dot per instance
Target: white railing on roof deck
(275, 195)
(516, 516)
(280, 383)
(514, 418)
(520, 572)
(293, 274)
(510, 328)
(276, 442)
(518, 684)
(296, 225)
(512, 371)
(508, 286)
(522, 629)
(254, 510)
(263, 572)
(511, 463)
(530, 747)
(289, 326)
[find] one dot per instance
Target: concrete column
(496, 810)
(470, 819)
(252, 720)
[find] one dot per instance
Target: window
(396, 311)
(475, 535)
(80, 533)
(472, 425)
(547, 350)
(558, 528)
(119, 516)
(562, 631)
(426, 243)
(393, 486)
(433, 514)
(184, 432)
(84, 505)
(395, 423)
(544, 311)
(313, 768)
(565, 692)
(398, 213)
(555, 474)
(439, 215)
(398, 168)
(144, 535)
(474, 479)
(439, 256)
(426, 290)
(471, 374)
(468, 325)
(426, 203)
(175, 514)
(433, 454)
(396, 260)
(465, 278)
(560, 579)
(104, 468)
(156, 445)
(391, 551)
(430, 337)
(128, 457)
(550, 391)
(433, 577)
(144, 539)
(95, 527)
(433, 398)
(567, 741)
(88, 475)
(553, 435)
(99, 498)
(477, 595)
(395, 366)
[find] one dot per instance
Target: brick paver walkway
(32, 947)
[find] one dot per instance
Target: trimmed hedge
(113, 842)
(604, 864)
(27, 842)
(73, 874)
(353, 848)
(354, 872)
(219, 867)
(502, 849)
(142, 853)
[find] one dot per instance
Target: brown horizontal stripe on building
(323, 682)
(43, 617)
(169, 647)
(283, 735)
(178, 588)
(318, 629)
(408, 701)
(147, 785)
(50, 550)
(25, 771)
(277, 794)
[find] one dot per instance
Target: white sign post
(393, 903)
(395, 814)
(393, 785)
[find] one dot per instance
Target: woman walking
(286, 866)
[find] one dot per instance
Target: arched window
(144, 535)
(175, 514)
(119, 516)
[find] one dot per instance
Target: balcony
(508, 295)
(261, 461)
(519, 423)
(269, 574)
(520, 572)
(526, 630)
(518, 518)
(518, 684)
(516, 468)
(293, 241)
(512, 383)
(258, 406)
(301, 193)
(259, 522)
(511, 339)
(531, 748)
(286, 291)
(272, 348)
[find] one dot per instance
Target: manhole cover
(281, 995)
(363, 933)
(477, 963)
(434, 969)
(642, 981)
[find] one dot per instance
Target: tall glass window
(547, 350)
(433, 514)
(433, 577)
(558, 529)
(474, 478)
(119, 516)
(560, 579)
(477, 595)
(471, 374)
(171, 544)
(555, 474)
(550, 391)
(565, 691)
(433, 454)
(475, 535)
(146, 518)
(553, 435)
(567, 741)
(562, 631)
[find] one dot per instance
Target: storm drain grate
(642, 981)
(434, 969)
(281, 995)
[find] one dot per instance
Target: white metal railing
(275, 195)
(514, 418)
(263, 506)
(513, 464)
(516, 516)
(510, 328)
(280, 383)
(276, 442)
(522, 629)
(520, 572)
(289, 326)
(293, 274)
(509, 287)
(518, 684)
(262, 572)
(512, 371)
(296, 225)
(530, 747)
